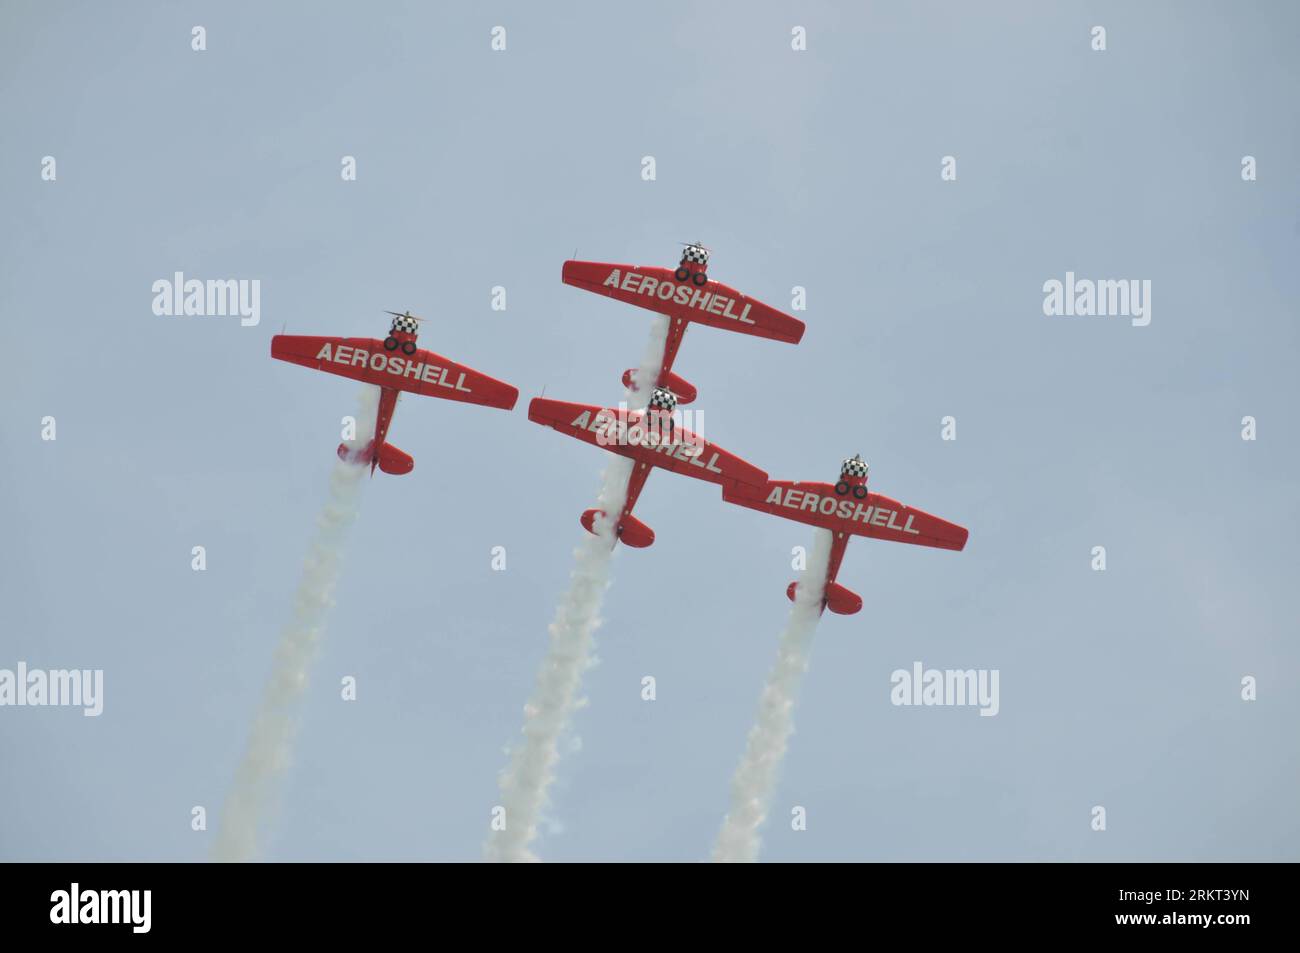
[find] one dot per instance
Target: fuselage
(387, 403)
(840, 539)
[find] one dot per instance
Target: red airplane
(684, 295)
(376, 362)
(649, 439)
(847, 509)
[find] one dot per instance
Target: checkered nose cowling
(661, 399)
(853, 467)
(696, 254)
(409, 325)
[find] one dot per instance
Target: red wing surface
(423, 372)
(689, 455)
(877, 516)
(656, 288)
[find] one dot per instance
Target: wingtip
(535, 409)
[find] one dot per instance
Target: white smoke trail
(253, 796)
(528, 776)
(755, 779)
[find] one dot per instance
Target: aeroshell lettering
(394, 365)
(826, 505)
(685, 293)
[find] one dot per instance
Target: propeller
(406, 314)
(698, 244)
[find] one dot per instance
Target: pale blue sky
(818, 168)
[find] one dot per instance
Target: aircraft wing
(877, 516)
(687, 454)
(714, 304)
(364, 359)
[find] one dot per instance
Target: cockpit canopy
(854, 466)
(696, 254)
(662, 399)
(405, 323)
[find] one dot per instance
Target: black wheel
(682, 273)
(700, 278)
(390, 344)
(860, 492)
(408, 348)
(841, 488)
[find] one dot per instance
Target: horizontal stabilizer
(842, 601)
(682, 389)
(631, 531)
(356, 454)
(394, 461)
(838, 599)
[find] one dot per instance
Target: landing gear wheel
(682, 273)
(390, 344)
(408, 348)
(700, 278)
(859, 492)
(842, 488)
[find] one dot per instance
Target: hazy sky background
(816, 168)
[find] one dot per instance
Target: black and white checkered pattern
(661, 399)
(696, 254)
(853, 467)
(409, 325)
